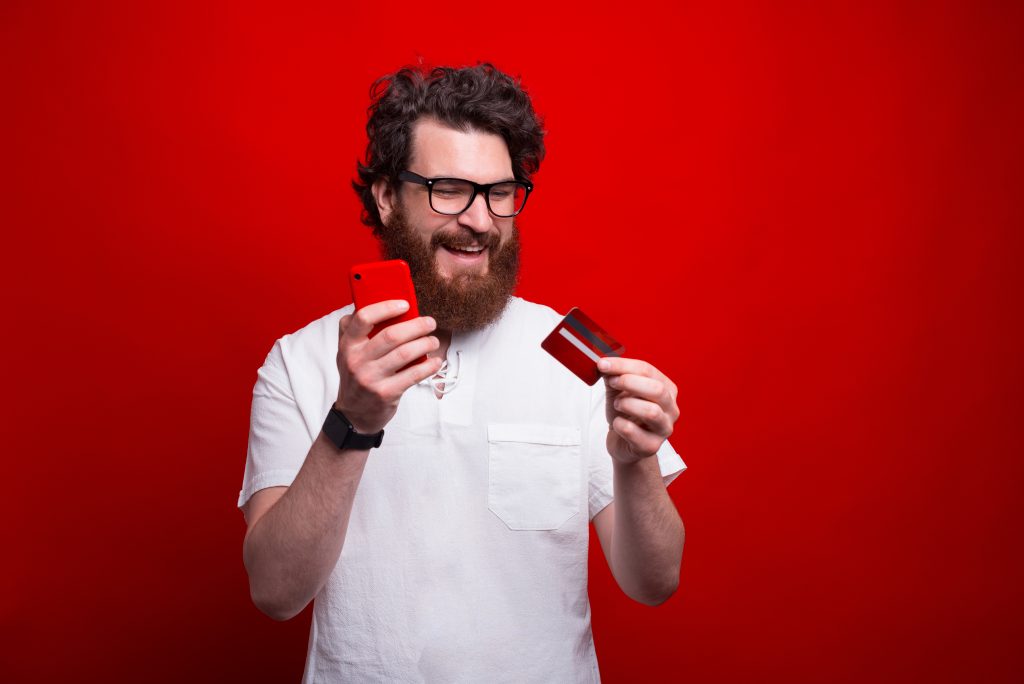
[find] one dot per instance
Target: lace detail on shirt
(444, 380)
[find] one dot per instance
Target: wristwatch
(339, 430)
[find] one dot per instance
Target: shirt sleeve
(599, 461)
(278, 437)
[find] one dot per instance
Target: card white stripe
(575, 341)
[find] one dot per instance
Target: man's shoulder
(523, 325)
(523, 312)
(321, 326)
(311, 340)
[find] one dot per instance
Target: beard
(466, 301)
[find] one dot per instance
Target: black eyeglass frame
(478, 188)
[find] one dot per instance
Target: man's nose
(477, 218)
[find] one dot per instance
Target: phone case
(378, 281)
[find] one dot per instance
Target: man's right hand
(372, 379)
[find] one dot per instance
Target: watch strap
(339, 430)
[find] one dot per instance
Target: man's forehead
(439, 150)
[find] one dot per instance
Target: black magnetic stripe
(585, 331)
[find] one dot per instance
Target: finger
(650, 415)
(638, 385)
(394, 336)
(615, 365)
(619, 366)
(403, 380)
(642, 441)
(406, 353)
(365, 318)
(343, 322)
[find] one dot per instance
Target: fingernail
(604, 364)
(402, 305)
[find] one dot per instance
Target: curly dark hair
(478, 97)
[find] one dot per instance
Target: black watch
(339, 430)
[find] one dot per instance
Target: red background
(808, 215)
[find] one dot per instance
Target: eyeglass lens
(454, 197)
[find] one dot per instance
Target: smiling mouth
(469, 251)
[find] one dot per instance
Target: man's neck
(445, 336)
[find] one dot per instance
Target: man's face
(465, 266)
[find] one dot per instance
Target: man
(456, 550)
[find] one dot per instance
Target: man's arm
(295, 534)
(640, 532)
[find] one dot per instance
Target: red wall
(810, 217)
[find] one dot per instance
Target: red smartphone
(380, 281)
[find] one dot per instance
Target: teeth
(469, 249)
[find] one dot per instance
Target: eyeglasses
(453, 196)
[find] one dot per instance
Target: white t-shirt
(465, 558)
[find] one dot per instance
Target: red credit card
(579, 344)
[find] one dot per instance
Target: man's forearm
(291, 550)
(647, 542)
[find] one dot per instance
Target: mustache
(465, 238)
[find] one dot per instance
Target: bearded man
(457, 550)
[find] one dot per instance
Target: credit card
(579, 344)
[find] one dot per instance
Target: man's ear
(384, 195)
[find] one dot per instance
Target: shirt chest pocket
(535, 475)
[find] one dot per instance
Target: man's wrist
(637, 467)
(353, 416)
(344, 434)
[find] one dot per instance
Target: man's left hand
(640, 407)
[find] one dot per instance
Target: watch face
(339, 430)
(335, 429)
